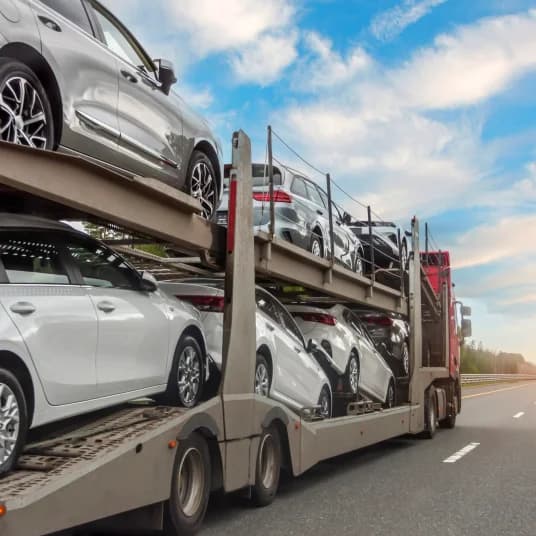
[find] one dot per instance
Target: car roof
(23, 221)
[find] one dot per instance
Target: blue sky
(420, 107)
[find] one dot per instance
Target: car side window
(324, 197)
(101, 267)
(356, 325)
(266, 305)
(72, 10)
(298, 187)
(289, 324)
(32, 259)
(119, 40)
(314, 196)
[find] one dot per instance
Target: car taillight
(279, 197)
(379, 320)
(319, 318)
(209, 304)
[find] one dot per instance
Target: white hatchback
(286, 369)
(354, 357)
(81, 330)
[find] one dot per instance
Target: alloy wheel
(262, 380)
(324, 404)
(405, 359)
(390, 396)
(9, 422)
(189, 376)
(22, 114)
(315, 248)
(353, 374)
(358, 267)
(267, 459)
(203, 187)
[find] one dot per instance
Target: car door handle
(50, 24)
(106, 306)
(270, 327)
(319, 212)
(129, 76)
(23, 308)
(297, 349)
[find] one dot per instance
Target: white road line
(461, 453)
(520, 414)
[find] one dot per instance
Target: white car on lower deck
(81, 330)
(286, 370)
(354, 359)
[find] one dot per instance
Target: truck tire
(190, 488)
(268, 468)
(430, 414)
(450, 421)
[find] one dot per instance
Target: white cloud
(471, 65)
(264, 61)
(388, 24)
(214, 26)
(510, 238)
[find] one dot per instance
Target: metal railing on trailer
(122, 470)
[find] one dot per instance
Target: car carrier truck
(152, 467)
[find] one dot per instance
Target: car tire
(263, 376)
(324, 401)
(268, 468)
(404, 359)
(404, 256)
(316, 247)
(351, 378)
(12, 434)
(202, 183)
(187, 377)
(358, 263)
(190, 489)
(390, 396)
(430, 414)
(39, 134)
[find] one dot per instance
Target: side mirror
(346, 219)
(148, 282)
(166, 75)
(408, 233)
(467, 328)
(312, 346)
(466, 311)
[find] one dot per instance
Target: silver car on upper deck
(73, 78)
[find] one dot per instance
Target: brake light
(209, 304)
(319, 318)
(279, 197)
(379, 320)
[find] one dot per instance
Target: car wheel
(358, 263)
(316, 246)
(186, 382)
(202, 183)
(25, 111)
(404, 357)
(430, 414)
(352, 375)
(13, 420)
(324, 401)
(390, 397)
(268, 467)
(404, 256)
(263, 380)
(190, 488)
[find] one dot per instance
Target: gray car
(73, 78)
(301, 215)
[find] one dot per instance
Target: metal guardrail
(483, 378)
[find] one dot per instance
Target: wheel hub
(262, 382)
(189, 375)
(9, 422)
(203, 187)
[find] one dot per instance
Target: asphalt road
(404, 487)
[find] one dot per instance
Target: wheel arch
(39, 65)
(264, 350)
(277, 417)
(208, 149)
(13, 363)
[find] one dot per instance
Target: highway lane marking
(520, 414)
(496, 391)
(461, 453)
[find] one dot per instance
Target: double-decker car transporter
(153, 467)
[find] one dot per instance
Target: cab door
(150, 121)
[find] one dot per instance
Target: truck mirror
(466, 311)
(467, 328)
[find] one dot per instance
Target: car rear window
(259, 174)
(32, 260)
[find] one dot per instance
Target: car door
(87, 76)
(53, 314)
(149, 120)
(134, 325)
(340, 239)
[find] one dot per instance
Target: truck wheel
(13, 420)
(190, 488)
(450, 421)
(268, 467)
(430, 414)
